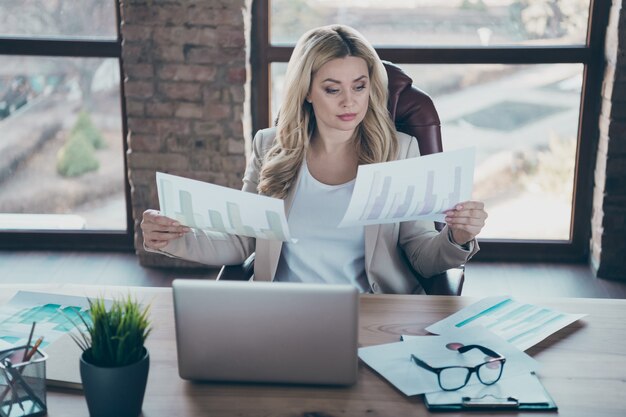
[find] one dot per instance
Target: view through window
(61, 153)
(523, 119)
(410, 23)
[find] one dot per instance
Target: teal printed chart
(54, 314)
(521, 324)
(211, 207)
(411, 189)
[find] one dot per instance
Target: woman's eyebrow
(332, 80)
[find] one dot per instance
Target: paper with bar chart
(521, 324)
(55, 315)
(206, 206)
(411, 189)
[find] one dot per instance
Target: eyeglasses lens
(490, 372)
(453, 378)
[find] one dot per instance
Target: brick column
(186, 87)
(608, 234)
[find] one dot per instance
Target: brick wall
(186, 85)
(608, 235)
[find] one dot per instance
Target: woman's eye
(332, 91)
(360, 87)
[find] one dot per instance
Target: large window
(62, 167)
(517, 79)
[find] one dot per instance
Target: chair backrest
(413, 110)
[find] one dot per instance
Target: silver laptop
(266, 332)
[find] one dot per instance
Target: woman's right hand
(158, 230)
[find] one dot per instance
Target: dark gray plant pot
(117, 391)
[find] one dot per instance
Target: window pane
(438, 22)
(523, 121)
(277, 70)
(91, 19)
(61, 153)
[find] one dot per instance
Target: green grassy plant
(115, 337)
(76, 157)
(85, 126)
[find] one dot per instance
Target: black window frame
(591, 55)
(71, 239)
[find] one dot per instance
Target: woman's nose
(348, 98)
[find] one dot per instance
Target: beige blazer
(391, 250)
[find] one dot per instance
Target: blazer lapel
(371, 234)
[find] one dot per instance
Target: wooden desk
(583, 365)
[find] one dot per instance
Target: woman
(333, 118)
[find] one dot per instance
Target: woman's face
(339, 93)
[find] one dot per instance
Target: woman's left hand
(466, 220)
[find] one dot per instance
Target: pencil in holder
(22, 382)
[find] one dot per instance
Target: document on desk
(421, 188)
(55, 316)
(521, 324)
(221, 210)
(393, 360)
(49, 311)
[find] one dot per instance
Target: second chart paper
(206, 206)
(411, 189)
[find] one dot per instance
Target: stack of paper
(501, 324)
(521, 324)
(393, 360)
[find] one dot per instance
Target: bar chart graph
(410, 189)
(206, 206)
(519, 323)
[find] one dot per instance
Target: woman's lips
(347, 117)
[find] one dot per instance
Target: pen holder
(22, 383)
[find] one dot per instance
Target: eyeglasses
(452, 378)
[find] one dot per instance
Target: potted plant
(114, 364)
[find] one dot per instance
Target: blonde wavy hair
(374, 139)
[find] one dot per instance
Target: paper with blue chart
(411, 189)
(519, 323)
(49, 311)
(210, 207)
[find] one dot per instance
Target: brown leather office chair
(414, 114)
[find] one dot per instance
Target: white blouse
(323, 252)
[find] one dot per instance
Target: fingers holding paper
(466, 220)
(159, 230)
